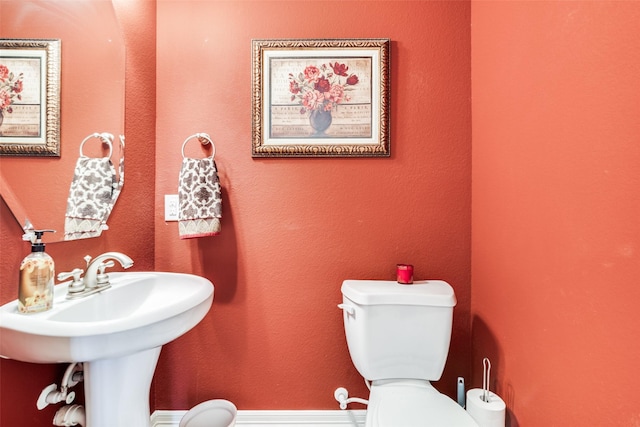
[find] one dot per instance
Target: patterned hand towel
(90, 197)
(200, 198)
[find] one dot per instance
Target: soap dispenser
(37, 272)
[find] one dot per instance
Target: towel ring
(204, 139)
(105, 137)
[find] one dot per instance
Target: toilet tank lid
(437, 293)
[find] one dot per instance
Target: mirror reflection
(91, 102)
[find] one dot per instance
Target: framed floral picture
(320, 98)
(30, 97)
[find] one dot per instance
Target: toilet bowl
(413, 403)
(212, 413)
(398, 338)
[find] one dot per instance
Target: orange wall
(556, 208)
(294, 229)
(130, 226)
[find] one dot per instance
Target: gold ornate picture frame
(320, 98)
(30, 97)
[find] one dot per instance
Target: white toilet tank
(398, 331)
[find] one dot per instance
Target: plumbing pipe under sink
(50, 394)
(70, 415)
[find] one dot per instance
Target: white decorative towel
(200, 198)
(94, 190)
(90, 197)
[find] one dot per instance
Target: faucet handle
(75, 273)
(102, 278)
(77, 285)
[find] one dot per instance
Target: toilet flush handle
(349, 309)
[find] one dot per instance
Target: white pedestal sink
(117, 334)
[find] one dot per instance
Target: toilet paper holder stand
(486, 373)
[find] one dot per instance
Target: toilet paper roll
(486, 414)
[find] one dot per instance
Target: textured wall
(556, 236)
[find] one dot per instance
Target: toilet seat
(413, 403)
(212, 413)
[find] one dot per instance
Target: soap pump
(37, 272)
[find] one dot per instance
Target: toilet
(212, 413)
(398, 338)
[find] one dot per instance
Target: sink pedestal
(117, 389)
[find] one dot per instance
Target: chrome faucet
(95, 277)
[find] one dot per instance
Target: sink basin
(117, 333)
(140, 311)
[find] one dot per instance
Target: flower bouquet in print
(319, 90)
(11, 86)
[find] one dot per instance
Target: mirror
(92, 78)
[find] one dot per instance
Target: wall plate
(171, 207)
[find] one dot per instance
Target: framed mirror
(92, 78)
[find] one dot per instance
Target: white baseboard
(328, 418)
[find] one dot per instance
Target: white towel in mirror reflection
(91, 198)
